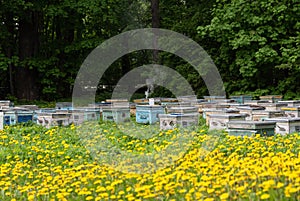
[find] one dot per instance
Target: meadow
(105, 161)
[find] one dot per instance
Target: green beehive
(243, 128)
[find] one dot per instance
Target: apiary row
(243, 116)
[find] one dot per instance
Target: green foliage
(257, 44)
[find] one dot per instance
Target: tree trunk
(25, 76)
(155, 24)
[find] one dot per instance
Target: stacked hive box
(248, 128)
(286, 125)
(219, 121)
(179, 116)
(148, 114)
(291, 112)
(53, 119)
(118, 111)
(271, 98)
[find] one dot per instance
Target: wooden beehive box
(293, 112)
(273, 106)
(291, 103)
(77, 117)
(241, 98)
(192, 99)
(255, 102)
(9, 117)
(286, 125)
(91, 113)
(115, 114)
(28, 107)
(148, 114)
(132, 109)
(53, 119)
(271, 98)
(6, 103)
(182, 109)
(24, 116)
(248, 110)
(250, 127)
(258, 115)
(219, 121)
(171, 121)
(64, 106)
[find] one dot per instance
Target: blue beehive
(9, 117)
(24, 116)
(148, 113)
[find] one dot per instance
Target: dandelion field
(58, 164)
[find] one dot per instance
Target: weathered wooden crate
(171, 121)
(9, 117)
(291, 111)
(271, 98)
(115, 114)
(64, 106)
(148, 114)
(24, 116)
(241, 98)
(262, 127)
(219, 121)
(286, 125)
(248, 110)
(291, 103)
(182, 109)
(272, 106)
(258, 115)
(53, 119)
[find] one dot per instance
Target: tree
(255, 44)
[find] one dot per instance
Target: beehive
(258, 115)
(219, 121)
(171, 121)
(291, 111)
(271, 98)
(9, 117)
(241, 98)
(148, 114)
(286, 125)
(291, 103)
(64, 106)
(251, 127)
